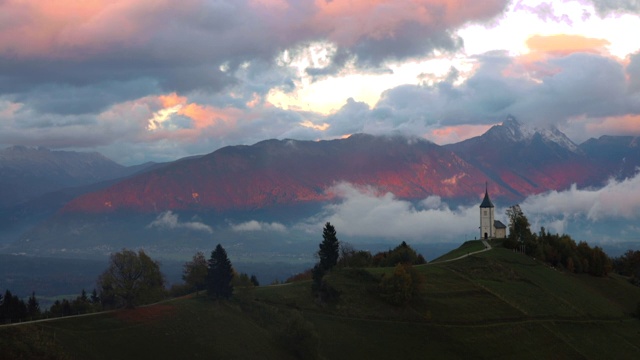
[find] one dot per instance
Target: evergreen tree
(12, 309)
(329, 248)
(219, 275)
(254, 280)
(33, 306)
(95, 299)
(329, 253)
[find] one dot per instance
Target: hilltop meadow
(493, 304)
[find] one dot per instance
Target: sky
(157, 80)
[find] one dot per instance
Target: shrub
(402, 286)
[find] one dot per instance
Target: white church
(490, 228)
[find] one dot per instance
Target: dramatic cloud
(573, 91)
(169, 220)
(157, 80)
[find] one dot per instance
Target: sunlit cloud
(563, 44)
(199, 116)
(309, 124)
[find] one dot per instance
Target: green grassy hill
(496, 304)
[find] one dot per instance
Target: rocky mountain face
(527, 161)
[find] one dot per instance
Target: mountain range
(514, 160)
(282, 176)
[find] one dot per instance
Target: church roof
(486, 203)
(499, 225)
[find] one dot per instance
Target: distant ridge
(29, 172)
(516, 160)
(289, 172)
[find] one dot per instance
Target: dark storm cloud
(92, 75)
(181, 46)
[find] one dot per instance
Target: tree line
(397, 288)
(133, 279)
(556, 250)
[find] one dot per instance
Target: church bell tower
(486, 216)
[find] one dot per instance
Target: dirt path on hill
(487, 247)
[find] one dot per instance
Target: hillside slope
(497, 304)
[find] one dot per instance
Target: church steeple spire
(486, 202)
(487, 219)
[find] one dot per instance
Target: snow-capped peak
(513, 130)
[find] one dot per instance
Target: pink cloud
(348, 21)
(615, 125)
(77, 28)
(203, 116)
(542, 49)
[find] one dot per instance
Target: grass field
(468, 247)
(495, 304)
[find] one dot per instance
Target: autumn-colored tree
(131, 279)
(195, 272)
(402, 286)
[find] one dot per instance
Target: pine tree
(328, 254)
(220, 274)
(95, 299)
(329, 248)
(33, 307)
